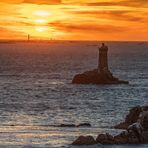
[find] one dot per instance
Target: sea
(37, 94)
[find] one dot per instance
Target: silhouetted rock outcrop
(135, 133)
(101, 75)
(122, 138)
(132, 117)
(105, 139)
(94, 77)
(84, 125)
(67, 125)
(74, 125)
(84, 140)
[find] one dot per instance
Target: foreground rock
(84, 140)
(95, 77)
(136, 125)
(105, 139)
(122, 138)
(132, 117)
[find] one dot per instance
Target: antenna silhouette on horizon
(28, 37)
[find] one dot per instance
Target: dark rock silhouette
(132, 117)
(105, 139)
(67, 125)
(84, 140)
(74, 125)
(84, 125)
(101, 75)
(122, 138)
(135, 133)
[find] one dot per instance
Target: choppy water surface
(36, 94)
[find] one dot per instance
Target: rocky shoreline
(135, 130)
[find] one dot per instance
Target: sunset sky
(74, 19)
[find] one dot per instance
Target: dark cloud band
(48, 2)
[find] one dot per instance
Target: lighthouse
(103, 59)
(100, 75)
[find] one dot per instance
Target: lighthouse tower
(103, 59)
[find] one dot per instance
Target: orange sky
(74, 19)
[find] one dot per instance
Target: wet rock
(133, 115)
(131, 118)
(133, 139)
(73, 125)
(95, 77)
(144, 108)
(145, 137)
(84, 140)
(143, 119)
(67, 125)
(136, 130)
(135, 133)
(84, 125)
(122, 138)
(105, 139)
(122, 125)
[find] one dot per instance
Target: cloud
(17, 24)
(131, 3)
(122, 15)
(48, 2)
(7, 33)
(135, 3)
(86, 27)
(11, 1)
(127, 3)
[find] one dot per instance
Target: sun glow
(41, 21)
(42, 13)
(41, 29)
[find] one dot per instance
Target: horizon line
(56, 40)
